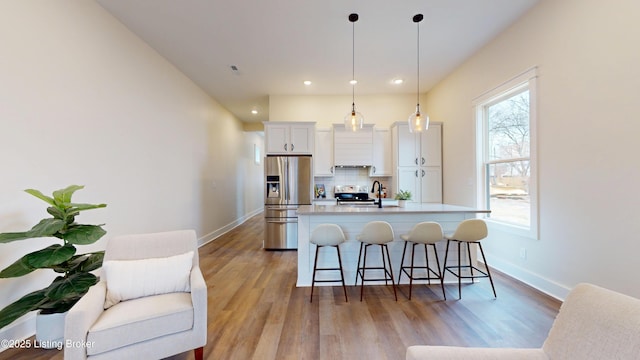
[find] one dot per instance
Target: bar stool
(327, 235)
(377, 233)
(469, 231)
(425, 233)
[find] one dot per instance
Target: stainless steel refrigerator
(288, 184)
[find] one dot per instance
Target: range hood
(352, 149)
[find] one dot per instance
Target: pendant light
(418, 121)
(354, 120)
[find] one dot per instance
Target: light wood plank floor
(256, 311)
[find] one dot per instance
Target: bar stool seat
(327, 235)
(425, 233)
(375, 233)
(469, 231)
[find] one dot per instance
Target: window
(505, 120)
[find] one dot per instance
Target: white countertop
(319, 209)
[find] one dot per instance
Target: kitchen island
(353, 218)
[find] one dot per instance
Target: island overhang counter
(353, 218)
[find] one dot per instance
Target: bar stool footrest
(429, 272)
(483, 273)
(386, 273)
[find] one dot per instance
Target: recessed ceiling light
(398, 81)
(353, 82)
(254, 111)
(307, 82)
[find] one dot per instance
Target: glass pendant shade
(418, 122)
(353, 121)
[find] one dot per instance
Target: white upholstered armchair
(593, 323)
(150, 303)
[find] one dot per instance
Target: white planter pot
(50, 330)
(401, 203)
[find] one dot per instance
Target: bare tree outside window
(508, 158)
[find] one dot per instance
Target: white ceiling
(277, 44)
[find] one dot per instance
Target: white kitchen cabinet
(417, 160)
(323, 155)
(382, 163)
(352, 148)
(289, 138)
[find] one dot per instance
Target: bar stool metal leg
(358, 269)
(488, 272)
(313, 278)
(473, 279)
(440, 273)
(395, 294)
(344, 287)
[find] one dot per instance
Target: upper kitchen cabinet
(417, 161)
(352, 148)
(289, 138)
(419, 149)
(382, 164)
(323, 156)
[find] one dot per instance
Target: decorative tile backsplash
(351, 176)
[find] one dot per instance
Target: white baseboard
(536, 281)
(225, 229)
(21, 329)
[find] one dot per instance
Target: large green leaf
(58, 306)
(81, 263)
(44, 258)
(56, 212)
(75, 209)
(45, 228)
(50, 256)
(83, 234)
(18, 268)
(92, 262)
(62, 197)
(73, 285)
(40, 195)
(21, 306)
(82, 207)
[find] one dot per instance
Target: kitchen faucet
(373, 187)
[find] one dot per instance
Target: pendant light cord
(353, 66)
(418, 66)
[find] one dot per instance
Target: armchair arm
(80, 318)
(199, 300)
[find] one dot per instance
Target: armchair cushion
(138, 320)
(132, 279)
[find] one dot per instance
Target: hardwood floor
(256, 311)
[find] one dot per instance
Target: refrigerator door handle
(288, 179)
(282, 221)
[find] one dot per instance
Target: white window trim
(515, 84)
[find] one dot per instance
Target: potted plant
(75, 277)
(402, 196)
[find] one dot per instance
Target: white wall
(84, 101)
(587, 57)
(325, 110)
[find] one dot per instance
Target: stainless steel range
(352, 195)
